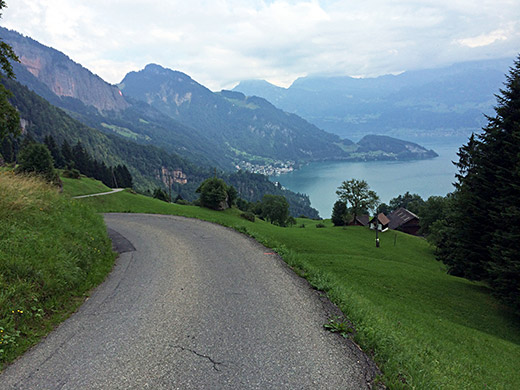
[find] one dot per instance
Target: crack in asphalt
(213, 361)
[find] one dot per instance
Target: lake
(388, 179)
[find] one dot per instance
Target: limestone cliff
(63, 76)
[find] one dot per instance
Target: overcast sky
(220, 42)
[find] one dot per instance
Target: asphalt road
(193, 305)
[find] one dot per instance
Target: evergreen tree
(7, 149)
(9, 117)
(68, 156)
(55, 151)
(82, 160)
(482, 233)
(36, 158)
(339, 213)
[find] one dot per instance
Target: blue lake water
(387, 178)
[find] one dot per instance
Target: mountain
(150, 166)
(251, 127)
(165, 108)
(420, 105)
(100, 105)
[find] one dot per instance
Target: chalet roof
(400, 217)
(382, 218)
(363, 219)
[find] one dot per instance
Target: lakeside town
(274, 169)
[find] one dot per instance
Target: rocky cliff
(63, 76)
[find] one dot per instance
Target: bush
(320, 225)
(71, 173)
(160, 194)
(36, 158)
(249, 216)
(275, 209)
(214, 194)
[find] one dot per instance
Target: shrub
(36, 158)
(249, 216)
(71, 173)
(214, 194)
(320, 225)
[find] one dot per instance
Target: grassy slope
(52, 252)
(85, 186)
(426, 329)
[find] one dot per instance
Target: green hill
(149, 165)
(424, 328)
(52, 252)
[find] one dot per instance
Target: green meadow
(424, 328)
(52, 252)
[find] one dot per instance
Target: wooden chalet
(382, 222)
(404, 221)
(360, 220)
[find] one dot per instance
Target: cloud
(221, 42)
(483, 39)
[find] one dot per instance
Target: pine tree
(481, 239)
(68, 156)
(55, 151)
(339, 213)
(9, 117)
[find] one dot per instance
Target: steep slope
(251, 127)
(62, 76)
(89, 99)
(421, 105)
(150, 166)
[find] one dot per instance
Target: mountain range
(422, 105)
(168, 109)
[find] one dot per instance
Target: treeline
(74, 160)
(479, 238)
(41, 119)
(253, 186)
(476, 229)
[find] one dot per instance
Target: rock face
(63, 76)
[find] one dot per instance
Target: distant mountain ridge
(251, 127)
(168, 109)
(415, 105)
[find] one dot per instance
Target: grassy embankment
(52, 252)
(426, 329)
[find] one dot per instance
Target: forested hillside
(149, 165)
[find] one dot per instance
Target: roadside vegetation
(52, 252)
(425, 329)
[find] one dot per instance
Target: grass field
(84, 186)
(424, 328)
(52, 252)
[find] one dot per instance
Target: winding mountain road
(193, 305)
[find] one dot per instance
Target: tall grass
(52, 251)
(424, 328)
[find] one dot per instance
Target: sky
(221, 42)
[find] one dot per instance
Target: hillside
(421, 105)
(425, 329)
(149, 165)
(165, 108)
(52, 252)
(249, 127)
